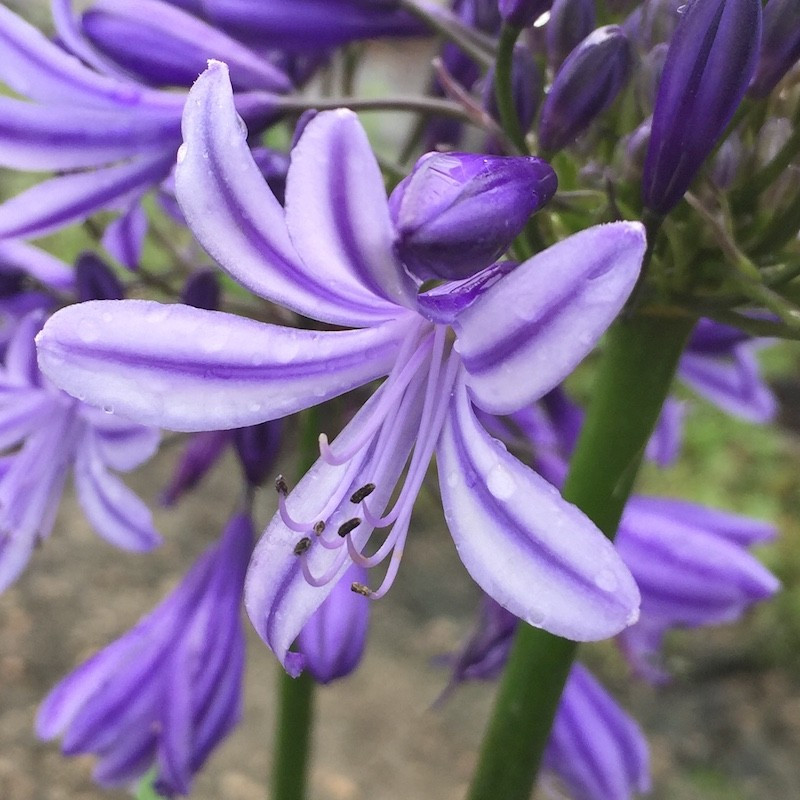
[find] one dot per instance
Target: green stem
(635, 375)
(504, 87)
(293, 742)
(426, 105)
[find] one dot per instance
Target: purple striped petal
(20, 368)
(43, 138)
(67, 199)
(115, 512)
(124, 237)
(524, 545)
(527, 332)
(237, 219)
(121, 445)
(151, 363)
(37, 263)
(337, 211)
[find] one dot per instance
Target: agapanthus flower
(497, 341)
(112, 137)
(56, 434)
(164, 694)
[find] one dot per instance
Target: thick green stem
(634, 377)
(504, 87)
(293, 741)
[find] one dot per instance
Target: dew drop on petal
(501, 482)
(182, 153)
(87, 331)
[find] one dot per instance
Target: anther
(349, 526)
(359, 588)
(281, 487)
(363, 493)
(302, 546)
(319, 527)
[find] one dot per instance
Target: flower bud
(710, 62)
(571, 21)
(202, 290)
(521, 13)
(780, 45)
(257, 447)
(526, 86)
(94, 279)
(456, 213)
(587, 83)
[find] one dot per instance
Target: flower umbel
(497, 340)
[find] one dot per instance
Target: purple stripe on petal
(535, 554)
(527, 332)
(151, 363)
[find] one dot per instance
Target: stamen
(349, 526)
(329, 574)
(363, 493)
(359, 588)
(302, 546)
(395, 538)
(281, 487)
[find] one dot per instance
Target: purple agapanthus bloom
(496, 341)
(169, 690)
(55, 433)
(112, 137)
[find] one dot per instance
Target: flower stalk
(634, 377)
(504, 87)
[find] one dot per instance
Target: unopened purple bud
(648, 76)
(526, 86)
(456, 213)
(332, 641)
(710, 62)
(571, 21)
(521, 13)
(727, 161)
(202, 290)
(94, 279)
(587, 83)
(257, 447)
(780, 45)
(202, 451)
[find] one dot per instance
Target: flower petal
(151, 363)
(237, 219)
(535, 554)
(37, 263)
(337, 212)
(61, 201)
(124, 237)
(528, 331)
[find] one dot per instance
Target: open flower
(497, 340)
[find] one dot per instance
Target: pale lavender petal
(237, 219)
(734, 384)
(597, 750)
(121, 445)
(124, 237)
(20, 368)
(337, 212)
(527, 332)
(23, 415)
(37, 263)
(67, 199)
(35, 67)
(151, 362)
(115, 512)
(44, 138)
(535, 554)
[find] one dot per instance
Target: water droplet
(606, 580)
(182, 150)
(108, 409)
(633, 617)
(107, 317)
(453, 479)
(682, 9)
(501, 482)
(87, 331)
(215, 342)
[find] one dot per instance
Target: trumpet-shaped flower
(496, 341)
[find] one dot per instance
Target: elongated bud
(526, 85)
(780, 45)
(521, 13)
(710, 62)
(257, 447)
(571, 21)
(95, 280)
(587, 83)
(202, 290)
(456, 213)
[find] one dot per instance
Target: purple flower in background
(332, 642)
(711, 59)
(168, 691)
(112, 137)
(330, 256)
(522, 13)
(53, 434)
(596, 750)
(571, 21)
(780, 45)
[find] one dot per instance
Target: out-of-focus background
(727, 728)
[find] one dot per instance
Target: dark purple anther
(571, 21)
(456, 213)
(202, 290)
(587, 83)
(526, 84)
(257, 447)
(710, 62)
(521, 13)
(780, 45)
(94, 279)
